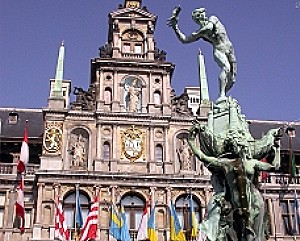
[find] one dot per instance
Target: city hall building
(124, 138)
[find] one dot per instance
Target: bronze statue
(214, 32)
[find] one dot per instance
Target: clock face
(133, 143)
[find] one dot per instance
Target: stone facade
(123, 138)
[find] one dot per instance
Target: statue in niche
(78, 151)
(214, 32)
(133, 96)
(185, 154)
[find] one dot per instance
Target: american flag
(60, 232)
(89, 230)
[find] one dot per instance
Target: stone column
(168, 201)
(151, 151)
(168, 168)
(98, 162)
(37, 227)
(278, 226)
(9, 221)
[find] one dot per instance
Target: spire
(59, 75)
(203, 79)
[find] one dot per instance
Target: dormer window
(13, 118)
(132, 43)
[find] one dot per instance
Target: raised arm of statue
(173, 23)
(214, 32)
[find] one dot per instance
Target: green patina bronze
(226, 147)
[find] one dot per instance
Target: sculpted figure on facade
(185, 154)
(214, 32)
(133, 96)
(78, 151)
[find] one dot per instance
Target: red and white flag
(24, 155)
(60, 232)
(90, 227)
(20, 210)
(143, 228)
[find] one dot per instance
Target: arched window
(106, 151)
(183, 210)
(157, 98)
(69, 207)
(107, 95)
(159, 153)
(133, 206)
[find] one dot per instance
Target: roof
(259, 128)
(16, 130)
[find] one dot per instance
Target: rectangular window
(1, 217)
(290, 224)
(28, 218)
(2, 199)
(138, 49)
(126, 48)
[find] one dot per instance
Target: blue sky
(265, 35)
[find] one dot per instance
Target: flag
(20, 210)
(125, 235)
(79, 219)
(115, 223)
(193, 219)
(60, 229)
(264, 174)
(175, 227)
(151, 226)
(89, 230)
(142, 233)
(296, 210)
(24, 155)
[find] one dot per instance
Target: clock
(133, 143)
(132, 4)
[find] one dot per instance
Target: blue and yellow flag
(125, 235)
(151, 226)
(79, 219)
(115, 223)
(176, 230)
(193, 219)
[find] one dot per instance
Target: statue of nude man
(212, 31)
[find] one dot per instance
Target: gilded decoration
(52, 140)
(133, 143)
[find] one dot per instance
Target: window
(159, 153)
(12, 118)
(28, 218)
(157, 98)
(133, 206)
(70, 208)
(1, 217)
(290, 225)
(107, 95)
(138, 49)
(106, 151)
(126, 48)
(2, 203)
(182, 207)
